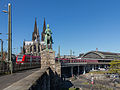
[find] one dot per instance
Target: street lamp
(9, 37)
(5, 11)
(1, 49)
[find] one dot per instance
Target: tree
(115, 66)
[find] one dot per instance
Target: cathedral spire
(35, 31)
(43, 32)
(44, 26)
(38, 36)
(35, 26)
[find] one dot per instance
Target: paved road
(7, 80)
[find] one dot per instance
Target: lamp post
(1, 49)
(9, 38)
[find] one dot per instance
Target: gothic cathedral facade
(35, 46)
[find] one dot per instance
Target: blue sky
(79, 25)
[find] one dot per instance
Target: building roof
(101, 55)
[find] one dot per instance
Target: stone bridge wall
(44, 79)
(47, 78)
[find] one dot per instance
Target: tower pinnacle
(35, 26)
(43, 32)
(35, 35)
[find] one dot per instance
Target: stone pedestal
(58, 68)
(48, 59)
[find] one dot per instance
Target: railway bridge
(82, 67)
(93, 60)
(46, 77)
(52, 69)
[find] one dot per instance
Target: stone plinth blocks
(48, 59)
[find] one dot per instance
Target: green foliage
(85, 83)
(115, 66)
(98, 72)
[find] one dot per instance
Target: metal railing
(4, 67)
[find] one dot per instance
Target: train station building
(101, 56)
(90, 61)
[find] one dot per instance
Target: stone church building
(35, 46)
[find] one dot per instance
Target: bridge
(93, 60)
(80, 66)
(46, 77)
(50, 72)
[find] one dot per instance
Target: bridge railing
(17, 67)
(63, 60)
(43, 79)
(4, 66)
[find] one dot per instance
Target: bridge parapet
(48, 60)
(47, 78)
(43, 79)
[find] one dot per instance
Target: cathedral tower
(35, 34)
(43, 32)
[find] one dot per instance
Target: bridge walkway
(8, 80)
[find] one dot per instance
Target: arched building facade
(101, 56)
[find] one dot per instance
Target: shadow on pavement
(66, 84)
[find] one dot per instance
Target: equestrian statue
(48, 38)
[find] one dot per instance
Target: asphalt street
(7, 80)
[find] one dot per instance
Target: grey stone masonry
(58, 68)
(39, 80)
(48, 59)
(47, 78)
